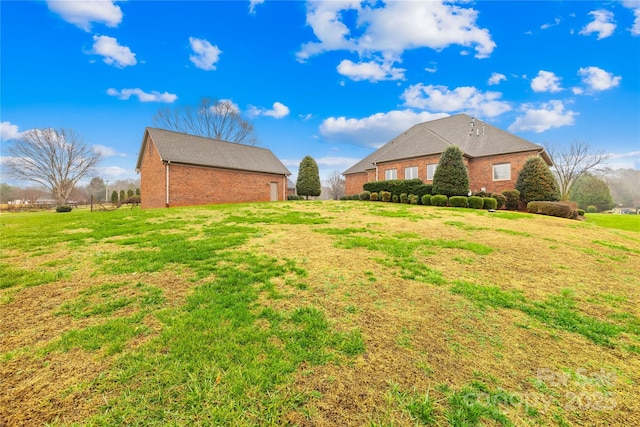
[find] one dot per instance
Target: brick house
(177, 169)
(493, 157)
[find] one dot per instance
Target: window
(411, 173)
(390, 174)
(431, 170)
(502, 172)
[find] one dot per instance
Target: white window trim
(393, 172)
(411, 168)
(493, 172)
(435, 166)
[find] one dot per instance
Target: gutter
(167, 183)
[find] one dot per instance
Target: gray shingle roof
(188, 149)
(432, 138)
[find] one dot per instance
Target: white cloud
(635, 6)
(603, 24)
(114, 54)
(278, 111)
(629, 160)
(105, 151)
(327, 161)
(393, 27)
(83, 13)
(9, 131)
(375, 130)
(462, 99)
(253, 4)
(546, 81)
(496, 78)
(598, 79)
(547, 116)
(205, 54)
(143, 96)
(372, 71)
(549, 25)
(114, 173)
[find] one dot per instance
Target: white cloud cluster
(461, 99)
(113, 53)
(372, 71)
(540, 118)
(596, 79)
(635, 6)
(546, 81)
(105, 151)
(205, 55)
(278, 111)
(142, 95)
(9, 131)
(496, 78)
(546, 26)
(375, 130)
(386, 30)
(83, 13)
(603, 24)
(253, 4)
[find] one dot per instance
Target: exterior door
(274, 192)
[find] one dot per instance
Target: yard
(317, 314)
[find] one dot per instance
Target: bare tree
(218, 119)
(57, 159)
(571, 162)
(335, 183)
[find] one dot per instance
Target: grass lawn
(619, 221)
(318, 314)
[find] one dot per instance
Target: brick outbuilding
(177, 169)
(493, 157)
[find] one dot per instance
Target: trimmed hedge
(426, 200)
(476, 202)
(581, 212)
(365, 195)
(63, 208)
(489, 203)
(458, 202)
(385, 196)
(559, 209)
(394, 198)
(373, 197)
(404, 198)
(413, 199)
(439, 200)
(500, 199)
(512, 199)
(394, 186)
(592, 209)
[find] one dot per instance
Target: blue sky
(333, 80)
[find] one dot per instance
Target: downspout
(167, 184)
(376, 165)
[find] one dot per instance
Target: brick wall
(191, 185)
(480, 172)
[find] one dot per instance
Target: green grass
(617, 221)
(298, 313)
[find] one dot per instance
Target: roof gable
(176, 147)
(474, 137)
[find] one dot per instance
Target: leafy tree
(211, 118)
(535, 181)
(97, 188)
(7, 193)
(137, 191)
(130, 193)
(589, 190)
(451, 177)
(571, 162)
(122, 196)
(114, 197)
(308, 183)
(54, 158)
